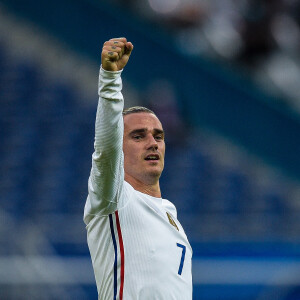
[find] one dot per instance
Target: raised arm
(107, 173)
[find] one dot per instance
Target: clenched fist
(115, 54)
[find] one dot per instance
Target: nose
(152, 143)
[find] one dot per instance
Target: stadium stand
(240, 213)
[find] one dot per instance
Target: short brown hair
(137, 109)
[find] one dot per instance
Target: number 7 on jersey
(182, 258)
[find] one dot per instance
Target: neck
(149, 188)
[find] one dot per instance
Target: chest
(155, 240)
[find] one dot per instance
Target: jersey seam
(117, 209)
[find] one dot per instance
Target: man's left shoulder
(170, 207)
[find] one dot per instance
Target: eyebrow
(143, 130)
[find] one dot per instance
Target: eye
(137, 137)
(159, 137)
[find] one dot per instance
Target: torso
(154, 267)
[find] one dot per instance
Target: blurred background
(223, 76)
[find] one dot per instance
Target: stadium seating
(229, 206)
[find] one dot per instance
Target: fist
(115, 54)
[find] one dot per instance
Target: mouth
(152, 157)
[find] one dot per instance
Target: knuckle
(108, 48)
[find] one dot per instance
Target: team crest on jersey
(172, 222)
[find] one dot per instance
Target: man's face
(143, 147)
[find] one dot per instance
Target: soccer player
(138, 248)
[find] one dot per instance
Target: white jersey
(138, 248)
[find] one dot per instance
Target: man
(138, 248)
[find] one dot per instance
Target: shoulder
(170, 207)
(128, 187)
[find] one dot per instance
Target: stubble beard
(152, 176)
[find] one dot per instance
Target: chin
(155, 173)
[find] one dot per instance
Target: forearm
(109, 121)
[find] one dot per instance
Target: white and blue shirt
(139, 249)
